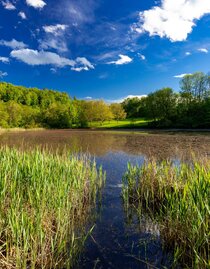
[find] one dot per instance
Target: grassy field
(127, 123)
(45, 203)
(178, 199)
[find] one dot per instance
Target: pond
(118, 241)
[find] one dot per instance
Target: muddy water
(118, 241)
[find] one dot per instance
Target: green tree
(118, 111)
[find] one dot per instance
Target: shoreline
(191, 130)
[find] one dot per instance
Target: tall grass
(178, 197)
(45, 201)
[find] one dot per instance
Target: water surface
(118, 241)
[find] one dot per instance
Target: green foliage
(178, 199)
(166, 108)
(96, 111)
(29, 108)
(134, 107)
(118, 112)
(45, 202)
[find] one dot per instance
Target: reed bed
(178, 198)
(45, 203)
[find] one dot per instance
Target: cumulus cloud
(35, 57)
(4, 60)
(55, 29)
(124, 59)
(8, 5)
(182, 75)
(120, 100)
(3, 74)
(22, 15)
(188, 53)
(13, 44)
(36, 3)
(173, 19)
(204, 50)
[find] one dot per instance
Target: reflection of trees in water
(160, 146)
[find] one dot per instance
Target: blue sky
(103, 48)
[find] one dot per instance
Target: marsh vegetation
(46, 200)
(49, 205)
(177, 198)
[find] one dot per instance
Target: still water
(118, 241)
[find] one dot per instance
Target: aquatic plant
(45, 203)
(177, 197)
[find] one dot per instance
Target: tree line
(31, 107)
(190, 108)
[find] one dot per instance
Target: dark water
(118, 241)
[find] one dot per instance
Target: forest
(33, 108)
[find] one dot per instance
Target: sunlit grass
(45, 202)
(178, 198)
(127, 123)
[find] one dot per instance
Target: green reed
(45, 203)
(178, 197)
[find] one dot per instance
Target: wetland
(117, 239)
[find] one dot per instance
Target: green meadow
(126, 123)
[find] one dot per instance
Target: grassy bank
(127, 123)
(178, 199)
(45, 202)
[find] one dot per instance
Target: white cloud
(53, 70)
(88, 98)
(188, 53)
(55, 29)
(182, 75)
(85, 62)
(55, 43)
(8, 5)
(204, 50)
(120, 100)
(124, 59)
(141, 56)
(4, 59)
(82, 64)
(3, 74)
(79, 69)
(55, 38)
(13, 44)
(36, 3)
(35, 57)
(174, 19)
(22, 15)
